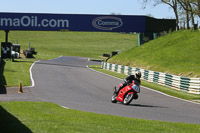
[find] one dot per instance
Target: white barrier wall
(190, 85)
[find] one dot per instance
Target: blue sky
(124, 7)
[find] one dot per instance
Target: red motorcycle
(126, 94)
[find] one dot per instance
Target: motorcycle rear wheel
(128, 98)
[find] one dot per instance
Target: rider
(129, 80)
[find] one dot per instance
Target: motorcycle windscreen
(136, 88)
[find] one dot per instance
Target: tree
(183, 6)
(194, 6)
(172, 3)
(191, 7)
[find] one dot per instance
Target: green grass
(53, 44)
(48, 117)
(85, 44)
(42, 117)
(13, 73)
(176, 53)
(166, 90)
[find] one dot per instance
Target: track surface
(68, 82)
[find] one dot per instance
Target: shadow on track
(146, 106)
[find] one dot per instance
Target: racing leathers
(129, 80)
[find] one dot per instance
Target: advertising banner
(72, 22)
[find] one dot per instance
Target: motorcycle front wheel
(113, 100)
(128, 98)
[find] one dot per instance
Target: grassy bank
(41, 117)
(176, 53)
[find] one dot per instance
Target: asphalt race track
(68, 82)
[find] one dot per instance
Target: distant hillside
(176, 53)
(51, 44)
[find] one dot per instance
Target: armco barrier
(190, 85)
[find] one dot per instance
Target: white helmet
(138, 74)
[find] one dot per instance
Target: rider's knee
(135, 96)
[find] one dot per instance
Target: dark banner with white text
(72, 22)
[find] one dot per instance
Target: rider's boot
(114, 90)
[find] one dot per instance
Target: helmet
(138, 74)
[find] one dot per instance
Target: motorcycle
(126, 94)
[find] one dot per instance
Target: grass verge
(13, 73)
(42, 117)
(166, 90)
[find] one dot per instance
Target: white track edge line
(32, 80)
(64, 107)
(56, 58)
(31, 75)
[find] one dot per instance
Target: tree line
(185, 11)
